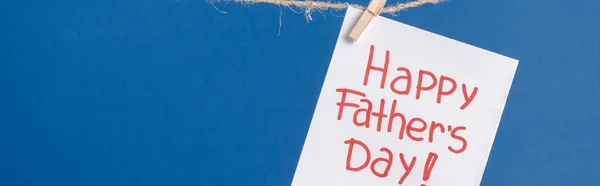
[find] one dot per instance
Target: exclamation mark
(429, 166)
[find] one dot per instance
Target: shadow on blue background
(167, 92)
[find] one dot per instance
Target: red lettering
(410, 128)
(407, 168)
(380, 115)
(432, 128)
(420, 86)
(431, 159)
(388, 162)
(441, 91)
(393, 115)
(468, 97)
(460, 138)
(351, 143)
(408, 79)
(367, 114)
(371, 67)
(343, 102)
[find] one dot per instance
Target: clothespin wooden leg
(374, 8)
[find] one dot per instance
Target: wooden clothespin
(374, 8)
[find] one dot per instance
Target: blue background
(167, 92)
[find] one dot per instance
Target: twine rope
(309, 6)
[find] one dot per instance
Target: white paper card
(403, 106)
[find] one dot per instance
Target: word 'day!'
(403, 106)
